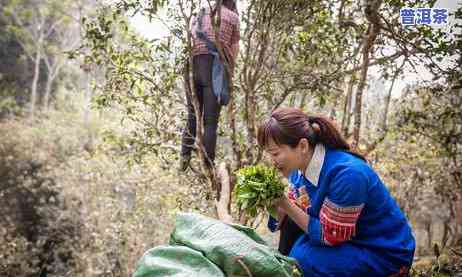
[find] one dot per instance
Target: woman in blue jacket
(348, 223)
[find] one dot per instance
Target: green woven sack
(236, 250)
(176, 261)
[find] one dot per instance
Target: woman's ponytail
(326, 132)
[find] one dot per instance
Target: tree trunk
(223, 205)
(302, 101)
(88, 93)
(373, 17)
(53, 72)
(446, 233)
(387, 105)
(232, 125)
(33, 94)
(362, 84)
(388, 97)
(333, 110)
(428, 228)
(346, 119)
(46, 98)
(251, 129)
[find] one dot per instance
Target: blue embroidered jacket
(355, 226)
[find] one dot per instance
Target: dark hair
(230, 4)
(289, 125)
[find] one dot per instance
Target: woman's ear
(304, 145)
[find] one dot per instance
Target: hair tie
(316, 127)
(313, 131)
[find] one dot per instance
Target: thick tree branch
(223, 204)
(372, 15)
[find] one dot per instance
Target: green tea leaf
(256, 188)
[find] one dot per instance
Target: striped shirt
(229, 34)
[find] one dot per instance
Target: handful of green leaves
(256, 189)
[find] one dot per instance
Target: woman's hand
(281, 214)
(279, 207)
(283, 204)
(278, 211)
(293, 211)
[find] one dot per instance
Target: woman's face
(286, 158)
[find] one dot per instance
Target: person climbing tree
(204, 83)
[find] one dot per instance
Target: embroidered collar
(314, 167)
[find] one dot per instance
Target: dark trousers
(289, 234)
(210, 109)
